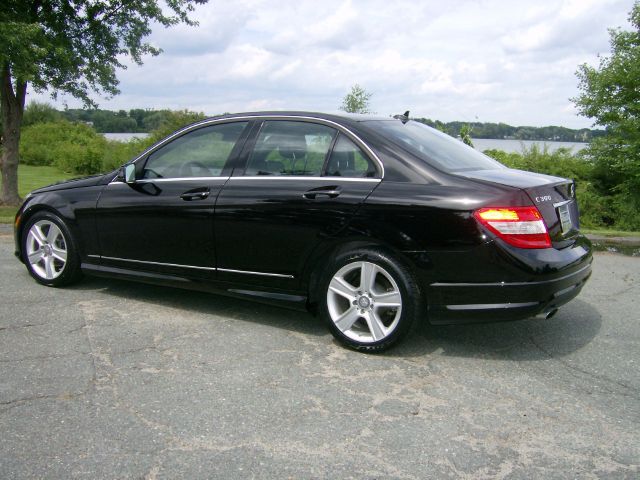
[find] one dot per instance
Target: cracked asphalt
(111, 379)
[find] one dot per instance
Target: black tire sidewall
(71, 272)
(409, 290)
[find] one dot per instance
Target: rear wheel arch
(322, 260)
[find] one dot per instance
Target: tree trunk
(12, 107)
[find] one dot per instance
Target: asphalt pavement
(110, 379)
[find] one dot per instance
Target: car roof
(351, 117)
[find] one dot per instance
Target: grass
(609, 233)
(29, 178)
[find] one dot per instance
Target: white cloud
(496, 60)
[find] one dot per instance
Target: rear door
(301, 183)
(164, 221)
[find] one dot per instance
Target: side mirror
(130, 173)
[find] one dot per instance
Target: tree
(465, 134)
(73, 47)
(357, 100)
(610, 94)
(37, 112)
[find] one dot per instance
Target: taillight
(518, 226)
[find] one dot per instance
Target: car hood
(72, 183)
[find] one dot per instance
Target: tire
(369, 319)
(49, 251)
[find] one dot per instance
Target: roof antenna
(404, 118)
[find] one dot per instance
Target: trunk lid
(553, 196)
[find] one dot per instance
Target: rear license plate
(565, 217)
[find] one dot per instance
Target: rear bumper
(514, 300)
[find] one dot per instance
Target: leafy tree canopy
(77, 46)
(610, 94)
(357, 100)
(73, 47)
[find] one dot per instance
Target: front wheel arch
(71, 271)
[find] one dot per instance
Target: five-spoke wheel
(49, 251)
(370, 300)
(46, 249)
(364, 301)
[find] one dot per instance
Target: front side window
(348, 160)
(290, 148)
(199, 153)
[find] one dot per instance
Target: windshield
(435, 148)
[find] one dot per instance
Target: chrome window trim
(254, 177)
(228, 270)
(214, 121)
(302, 177)
(172, 179)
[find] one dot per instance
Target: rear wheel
(49, 251)
(370, 300)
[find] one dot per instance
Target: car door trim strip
(214, 269)
(280, 275)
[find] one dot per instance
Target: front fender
(76, 207)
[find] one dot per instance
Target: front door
(163, 222)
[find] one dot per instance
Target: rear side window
(290, 148)
(199, 153)
(348, 160)
(433, 147)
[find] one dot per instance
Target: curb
(623, 241)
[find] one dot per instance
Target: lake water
(124, 137)
(516, 146)
(479, 143)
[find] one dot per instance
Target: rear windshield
(435, 148)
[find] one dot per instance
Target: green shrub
(71, 147)
(118, 153)
(37, 112)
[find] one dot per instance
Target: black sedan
(373, 222)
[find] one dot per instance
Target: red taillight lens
(521, 227)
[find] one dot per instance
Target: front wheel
(370, 300)
(49, 251)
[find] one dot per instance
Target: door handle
(200, 195)
(331, 192)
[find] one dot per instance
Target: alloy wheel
(364, 302)
(46, 249)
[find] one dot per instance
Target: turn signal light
(521, 227)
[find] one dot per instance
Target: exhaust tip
(547, 315)
(551, 313)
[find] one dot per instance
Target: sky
(508, 61)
